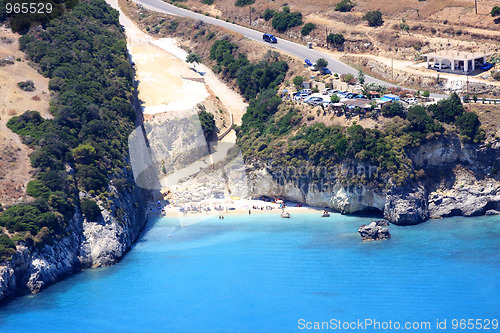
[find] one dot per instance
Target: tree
(307, 28)
(297, 81)
(345, 6)
(361, 77)
(321, 63)
(90, 209)
(468, 124)
(426, 93)
(285, 20)
(335, 39)
(242, 3)
(348, 78)
(193, 58)
(268, 14)
(495, 11)
(393, 109)
(334, 98)
(474, 97)
(374, 18)
(207, 122)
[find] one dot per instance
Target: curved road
(294, 49)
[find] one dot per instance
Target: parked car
(360, 96)
(308, 62)
(306, 91)
(411, 100)
(299, 95)
(350, 95)
(486, 66)
(327, 91)
(314, 67)
(314, 100)
(269, 38)
(325, 70)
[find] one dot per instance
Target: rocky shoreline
(458, 180)
(88, 244)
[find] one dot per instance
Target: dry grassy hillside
(15, 168)
(433, 24)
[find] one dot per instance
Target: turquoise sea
(265, 274)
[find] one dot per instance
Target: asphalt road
(294, 49)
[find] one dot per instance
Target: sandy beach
(168, 85)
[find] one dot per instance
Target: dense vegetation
(84, 55)
(284, 20)
(31, 13)
(251, 78)
(274, 132)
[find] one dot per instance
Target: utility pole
(475, 5)
(467, 74)
(392, 66)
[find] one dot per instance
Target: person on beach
(249, 212)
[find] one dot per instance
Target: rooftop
(454, 54)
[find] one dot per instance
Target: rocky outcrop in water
(88, 244)
(373, 231)
(406, 206)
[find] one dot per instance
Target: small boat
(325, 215)
(285, 215)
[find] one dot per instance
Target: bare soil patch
(15, 167)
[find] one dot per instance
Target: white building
(456, 61)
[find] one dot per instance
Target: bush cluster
(251, 78)
(282, 21)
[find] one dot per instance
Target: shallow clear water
(264, 273)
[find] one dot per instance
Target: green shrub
(321, 62)
(207, 2)
(393, 109)
(297, 81)
(90, 210)
(207, 122)
(426, 93)
(268, 14)
(307, 28)
(282, 21)
(468, 124)
(241, 3)
(447, 110)
(374, 18)
(335, 39)
(495, 11)
(345, 6)
(7, 247)
(334, 98)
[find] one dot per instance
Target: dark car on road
(308, 62)
(269, 38)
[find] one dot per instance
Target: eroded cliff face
(455, 179)
(88, 244)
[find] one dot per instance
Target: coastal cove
(263, 273)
